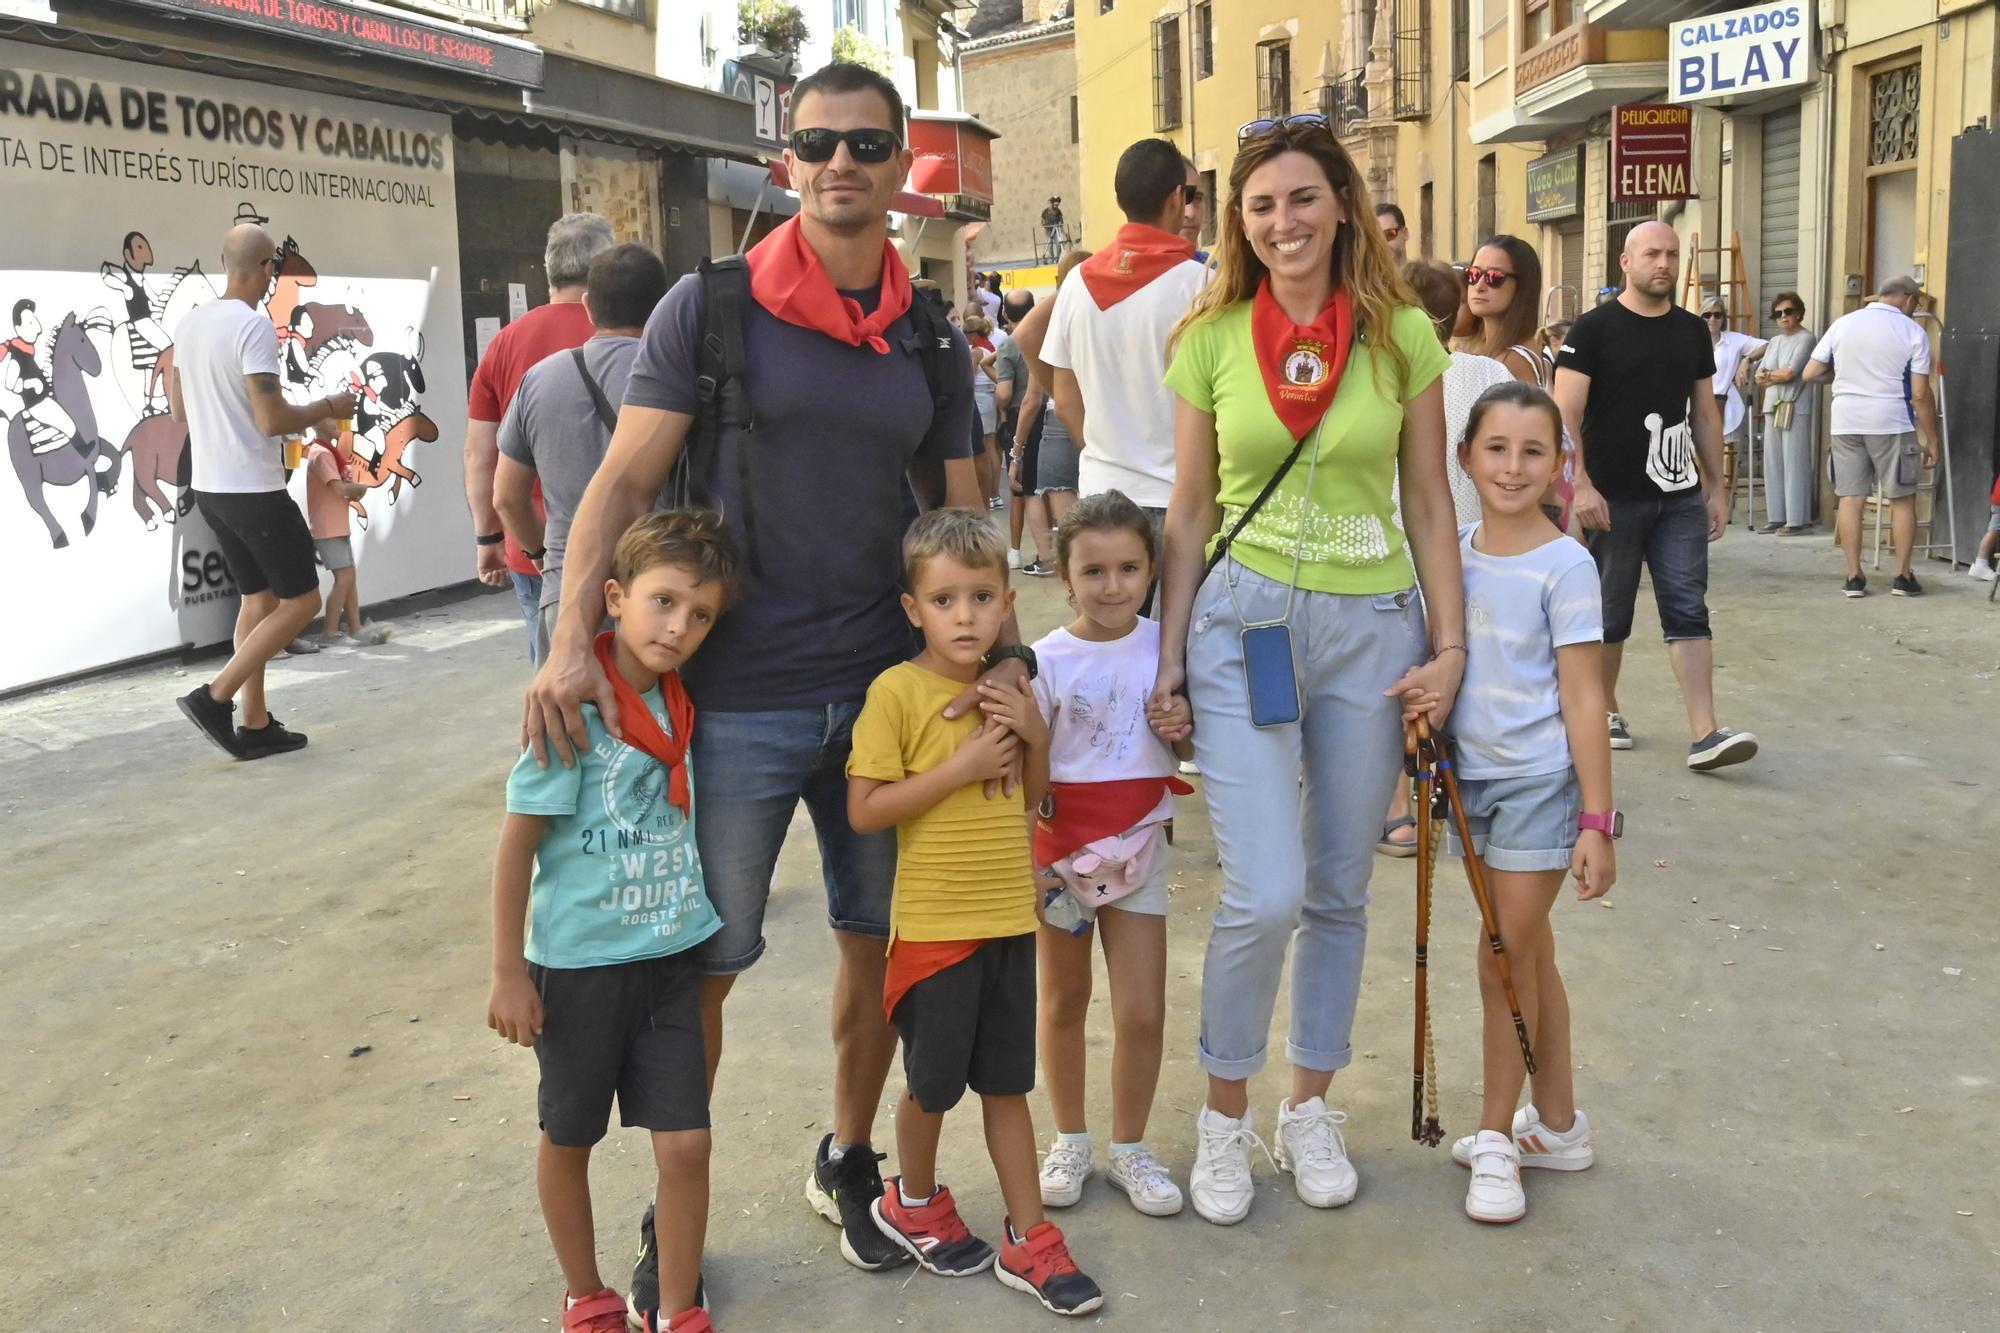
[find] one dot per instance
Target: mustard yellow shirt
(962, 869)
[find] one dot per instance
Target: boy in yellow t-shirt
(961, 981)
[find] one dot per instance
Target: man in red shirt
(574, 240)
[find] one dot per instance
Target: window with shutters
(1274, 78)
(1167, 73)
(1204, 39)
(1412, 51)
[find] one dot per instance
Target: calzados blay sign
(1746, 52)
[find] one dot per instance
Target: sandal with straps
(1388, 846)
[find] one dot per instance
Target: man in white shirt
(1107, 341)
(226, 388)
(1879, 360)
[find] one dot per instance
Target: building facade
(1021, 75)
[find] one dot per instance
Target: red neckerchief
(291, 335)
(1136, 255)
(644, 733)
(788, 280)
(362, 387)
(1302, 363)
(21, 345)
(1079, 813)
(982, 342)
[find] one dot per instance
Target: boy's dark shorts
(972, 1026)
(630, 1029)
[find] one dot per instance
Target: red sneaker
(1039, 1264)
(693, 1320)
(599, 1312)
(932, 1232)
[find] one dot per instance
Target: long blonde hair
(1362, 263)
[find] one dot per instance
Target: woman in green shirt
(1307, 335)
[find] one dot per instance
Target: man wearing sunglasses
(1634, 380)
(1394, 230)
(842, 409)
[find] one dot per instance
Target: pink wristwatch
(1611, 824)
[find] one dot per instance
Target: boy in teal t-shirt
(599, 861)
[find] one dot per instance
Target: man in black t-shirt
(1633, 381)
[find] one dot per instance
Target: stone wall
(1023, 91)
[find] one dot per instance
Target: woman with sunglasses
(1306, 379)
(1788, 437)
(1733, 353)
(1502, 285)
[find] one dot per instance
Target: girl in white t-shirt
(1534, 773)
(1101, 847)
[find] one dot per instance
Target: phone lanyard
(1298, 548)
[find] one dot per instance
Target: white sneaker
(1189, 769)
(1145, 1182)
(1983, 571)
(1064, 1170)
(1013, 559)
(1541, 1146)
(1495, 1194)
(1311, 1148)
(1220, 1181)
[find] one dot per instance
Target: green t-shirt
(1346, 532)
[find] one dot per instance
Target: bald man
(225, 388)
(1633, 381)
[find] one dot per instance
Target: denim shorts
(1669, 537)
(1520, 823)
(1993, 520)
(751, 770)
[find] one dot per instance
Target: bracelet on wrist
(489, 539)
(536, 554)
(1448, 648)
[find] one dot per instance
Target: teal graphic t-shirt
(617, 876)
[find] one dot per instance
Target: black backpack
(725, 404)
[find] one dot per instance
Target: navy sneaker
(844, 1193)
(642, 1305)
(274, 737)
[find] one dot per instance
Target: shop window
(1204, 39)
(1274, 78)
(1166, 73)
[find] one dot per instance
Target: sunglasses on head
(1307, 120)
(1487, 277)
(819, 145)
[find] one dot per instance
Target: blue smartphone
(1269, 672)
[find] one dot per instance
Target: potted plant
(774, 26)
(855, 47)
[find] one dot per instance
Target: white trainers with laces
(1311, 1148)
(1220, 1181)
(1540, 1146)
(1145, 1182)
(1495, 1194)
(1064, 1170)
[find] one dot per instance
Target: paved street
(250, 1085)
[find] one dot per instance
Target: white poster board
(117, 183)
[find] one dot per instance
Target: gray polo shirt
(553, 427)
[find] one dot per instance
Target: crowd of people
(1308, 499)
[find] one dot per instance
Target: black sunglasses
(1308, 120)
(819, 145)
(1715, 314)
(1787, 310)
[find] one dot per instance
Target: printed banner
(117, 184)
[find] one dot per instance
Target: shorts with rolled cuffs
(336, 553)
(629, 1030)
(1859, 461)
(971, 1025)
(1520, 824)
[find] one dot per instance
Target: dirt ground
(250, 1086)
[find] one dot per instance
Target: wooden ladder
(1732, 284)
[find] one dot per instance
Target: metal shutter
(1778, 238)
(1576, 300)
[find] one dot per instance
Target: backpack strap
(605, 412)
(932, 344)
(724, 402)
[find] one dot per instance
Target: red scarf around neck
(1136, 255)
(1302, 363)
(643, 731)
(788, 280)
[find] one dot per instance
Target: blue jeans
(1669, 536)
(1296, 855)
(528, 590)
(751, 770)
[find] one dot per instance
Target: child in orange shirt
(328, 497)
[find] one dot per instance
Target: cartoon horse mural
(157, 444)
(145, 387)
(388, 420)
(295, 274)
(74, 360)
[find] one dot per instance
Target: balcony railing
(1574, 47)
(509, 15)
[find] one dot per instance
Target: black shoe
(274, 737)
(1721, 748)
(642, 1306)
(214, 718)
(1906, 585)
(1038, 569)
(1856, 586)
(843, 1192)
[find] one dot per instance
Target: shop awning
(635, 108)
(915, 205)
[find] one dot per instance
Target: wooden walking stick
(1423, 1091)
(1446, 776)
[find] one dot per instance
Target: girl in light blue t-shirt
(1534, 762)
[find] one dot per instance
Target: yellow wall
(592, 34)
